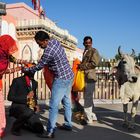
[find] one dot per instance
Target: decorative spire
(37, 6)
(34, 2)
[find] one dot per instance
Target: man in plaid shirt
(55, 58)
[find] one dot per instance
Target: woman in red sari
(7, 48)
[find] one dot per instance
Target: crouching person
(22, 93)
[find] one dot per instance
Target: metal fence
(106, 86)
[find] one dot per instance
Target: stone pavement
(108, 127)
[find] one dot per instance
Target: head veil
(7, 47)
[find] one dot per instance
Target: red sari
(48, 76)
(7, 47)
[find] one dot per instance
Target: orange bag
(79, 82)
(49, 76)
(76, 62)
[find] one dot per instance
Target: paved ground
(109, 126)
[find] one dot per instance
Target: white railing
(48, 24)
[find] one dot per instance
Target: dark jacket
(18, 90)
(89, 62)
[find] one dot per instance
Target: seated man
(22, 93)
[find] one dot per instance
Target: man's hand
(18, 68)
(24, 70)
(30, 94)
(80, 67)
(37, 108)
(25, 62)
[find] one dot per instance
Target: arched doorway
(27, 53)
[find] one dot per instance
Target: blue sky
(110, 22)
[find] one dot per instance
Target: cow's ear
(137, 69)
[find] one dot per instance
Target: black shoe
(46, 135)
(65, 127)
(83, 122)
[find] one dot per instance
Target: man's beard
(87, 47)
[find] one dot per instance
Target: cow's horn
(133, 53)
(119, 51)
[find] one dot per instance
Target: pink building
(22, 22)
(21, 11)
(79, 53)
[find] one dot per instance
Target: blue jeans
(61, 90)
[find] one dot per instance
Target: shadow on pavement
(114, 119)
(108, 127)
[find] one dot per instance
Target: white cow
(128, 76)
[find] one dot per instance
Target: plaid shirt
(55, 58)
